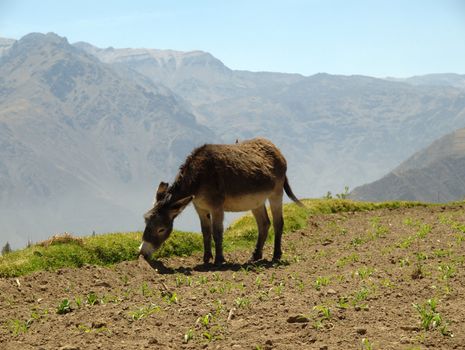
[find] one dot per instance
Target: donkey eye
(161, 230)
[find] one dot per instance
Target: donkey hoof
(256, 257)
(207, 258)
(219, 261)
(277, 258)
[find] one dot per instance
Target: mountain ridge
(434, 174)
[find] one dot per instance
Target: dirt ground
(348, 281)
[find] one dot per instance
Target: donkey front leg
(206, 226)
(217, 218)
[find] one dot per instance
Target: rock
(153, 341)
(360, 330)
(324, 347)
(70, 347)
(102, 284)
(298, 319)
(327, 242)
(98, 324)
(331, 291)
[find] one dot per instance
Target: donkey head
(159, 220)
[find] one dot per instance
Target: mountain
(327, 125)
(81, 146)
(198, 76)
(444, 79)
(434, 174)
(86, 132)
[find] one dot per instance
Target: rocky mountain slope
(81, 145)
(327, 125)
(434, 174)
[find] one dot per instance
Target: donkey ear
(161, 192)
(177, 207)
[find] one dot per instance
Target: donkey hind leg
(263, 224)
(206, 226)
(276, 204)
(217, 218)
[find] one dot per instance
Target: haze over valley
(87, 133)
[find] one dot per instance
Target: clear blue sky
(378, 38)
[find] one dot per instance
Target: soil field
(386, 279)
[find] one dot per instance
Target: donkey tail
(290, 194)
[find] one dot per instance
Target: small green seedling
(92, 299)
(143, 312)
(366, 345)
(170, 297)
(242, 302)
(78, 301)
(321, 282)
(429, 317)
(17, 327)
(205, 320)
(324, 311)
(189, 336)
(64, 307)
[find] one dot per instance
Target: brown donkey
(219, 178)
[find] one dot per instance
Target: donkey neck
(181, 188)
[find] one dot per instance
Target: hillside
(434, 174)
(385, 279)
(80, 145)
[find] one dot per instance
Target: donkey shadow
(162, 269)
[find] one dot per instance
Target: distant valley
(87, 133)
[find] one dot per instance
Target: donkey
(219, 178)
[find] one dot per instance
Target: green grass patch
(108, 249)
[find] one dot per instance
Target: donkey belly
(245, 202)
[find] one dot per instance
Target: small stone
(102, 284)
(324, 347)
(298, 319)
(331, 291)
(357, 308)
(98, 324)
(153, 341)
(361, 331)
